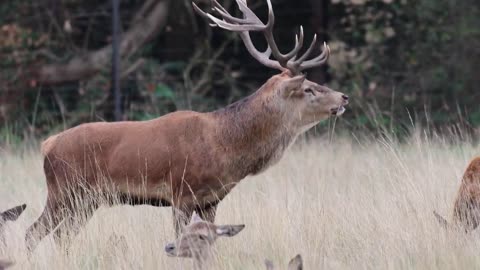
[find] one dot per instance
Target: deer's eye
(310, 91)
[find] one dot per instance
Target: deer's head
(296, 263)
(308, 101)
(198, 237)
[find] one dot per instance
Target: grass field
(342, 204)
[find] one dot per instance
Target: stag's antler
(250, 22)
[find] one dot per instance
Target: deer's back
(159, 153)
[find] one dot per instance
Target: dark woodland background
(403, 62)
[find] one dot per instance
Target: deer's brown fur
(188, 160)
(466, 209)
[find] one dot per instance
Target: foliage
(400, 60)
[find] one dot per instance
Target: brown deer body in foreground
(189, 160)
(197, 239)
(466, 209)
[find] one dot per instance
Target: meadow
(343, 203)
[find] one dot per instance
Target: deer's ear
(443, 222)
(229, 230)
(195, 218)
(12, 214)
(296, 263)
(292, 85)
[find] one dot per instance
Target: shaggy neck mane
(254, 130)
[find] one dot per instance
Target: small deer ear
(296, 263)
(443, 222)
(12, 214)
(195, 218)
(229, 230)
(292, 85)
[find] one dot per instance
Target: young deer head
(466, 209)
(295, 264)
(309, 101)
(197, 239)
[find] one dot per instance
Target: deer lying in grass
(466, 210)
(189, 160)
(197, 239)
(295, 264)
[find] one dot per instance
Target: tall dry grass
(342, 204)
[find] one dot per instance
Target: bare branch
(84, 66)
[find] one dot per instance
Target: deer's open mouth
(338, 111)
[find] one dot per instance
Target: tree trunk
(319, 23)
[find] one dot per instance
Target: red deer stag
(466, 210)
(190, 160)
(197, 239)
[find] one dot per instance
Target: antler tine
(249, 16)
(216, 4)
(307, 53)
(317, 61)
(227, 17)
(268, 32)
(248, 13)
(262, 57)
(250, 22)
(298, 45)
(235, 27)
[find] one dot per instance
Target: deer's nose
(169, 248)
(345, 97)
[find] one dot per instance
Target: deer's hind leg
(62, 216)
(50, 218)
(78, 212)
(64, 199)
